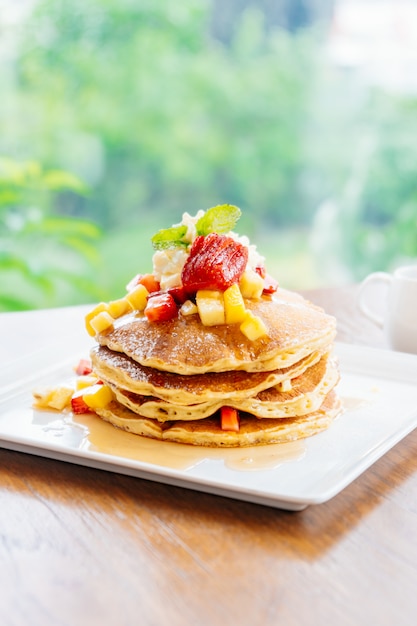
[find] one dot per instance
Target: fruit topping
(210, 306)
(229, 419)
(215, 262)
(138, 297)
(84, 367)
(253, 327)
(251, 284)
(161, 307)
(270, 285)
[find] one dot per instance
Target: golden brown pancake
(207, 432)
(305, 396)
(122, 372)
(183, 345)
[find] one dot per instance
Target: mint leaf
(170, 238)
(219, 219)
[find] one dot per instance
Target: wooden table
(83, 546)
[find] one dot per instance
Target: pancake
(125, 374)
(306, 395)
(207, 432)
(208, 349)
(183, 345)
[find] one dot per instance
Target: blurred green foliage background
(116, 116)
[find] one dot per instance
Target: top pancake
(183, 345)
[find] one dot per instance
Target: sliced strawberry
(83, 368)
(147, 280)
(78, 405)
(229, 419)
(270, 285)
(179, 294)
(215, 262)
(161, 307)
(259, 269)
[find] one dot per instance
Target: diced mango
(97, 396)
(93, 313)
(253, 327)
(85, 381)
(188, 308)
(234, 306)
(138, 297)
(42, 397)
(53, 397)
(251, 284)
(102, 322)
(120, 307)
(210, 305)
(61, 397)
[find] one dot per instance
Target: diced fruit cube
(61, 397)
(251, 284)
(98, 396)
(86, 381)
(188, 308)
(78, 404)
(84, 367)
(53, 397)
(215, 262)
(147, 280)
(270, 285)
(253, 327)
(102, 322)
(120, 307)
(138, 297)
(42, 397)
(260, 269)
(161, 308)
(179, 294)
(210, 305)
(234, 306)
(102, 306)
(229, 419)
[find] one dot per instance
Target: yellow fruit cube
(102, 322)
(61, 397)
(188, 308)
(120, 307)
(42, 397)
(234, 306)
(97, 396)
(88, 380)
(97, 309)
(138, 298)
(210, 305)
(53, 397)
(253, 327)
(251, 284)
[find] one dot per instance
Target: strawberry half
(215, 262)
(161, 307)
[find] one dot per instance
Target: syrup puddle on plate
(106, 439)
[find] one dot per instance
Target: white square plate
(379, 390)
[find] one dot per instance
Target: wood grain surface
(83, 546)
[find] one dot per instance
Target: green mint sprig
(219, 219)
(170, 238)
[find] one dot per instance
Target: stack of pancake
(171, 378)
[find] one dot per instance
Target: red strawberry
(179, 294)
(160, 307)
(147, 280)
(84, 367)
(78, 405)
(270, 285)
(215, 262)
